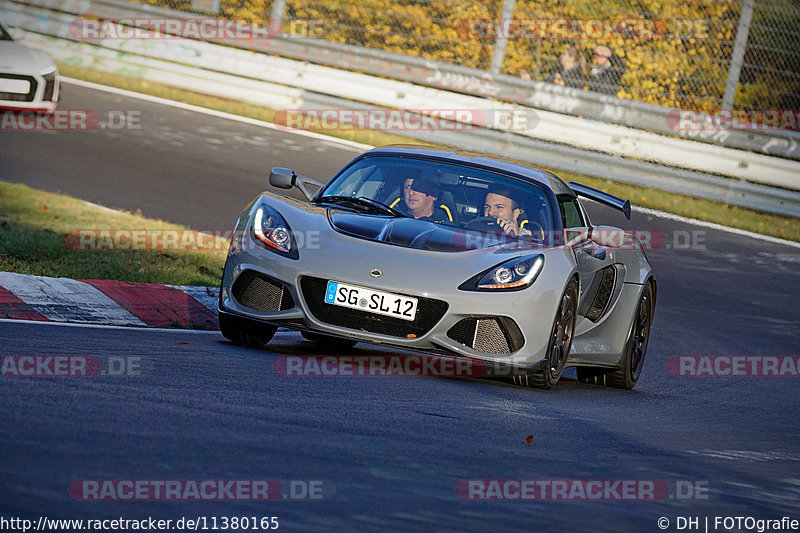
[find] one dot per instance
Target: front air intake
(262, 293)
(599, 293)
(495, 335)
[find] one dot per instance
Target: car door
(598, 275)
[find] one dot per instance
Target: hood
(21, 59)
(412, 233)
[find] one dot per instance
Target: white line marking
(360, 146)
(107, 209)
(107, 326)
(711, 225)
(220, 114)
(747, 455)
(206, 296)
(282, 332)
(64, 299)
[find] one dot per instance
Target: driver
(420, 195)
(500, 205)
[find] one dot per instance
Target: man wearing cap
(606, 72)
(500, 205)
(420, 195)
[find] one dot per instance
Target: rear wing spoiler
(602, 197)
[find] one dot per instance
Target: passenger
(420, 196)
(607, 71)
(500, 205)
(572, 71)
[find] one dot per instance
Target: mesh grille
(261, 293)
(602, 287)
(489, 337)
(496, 335)
(17, 97)
(429, 312)
(463, 331)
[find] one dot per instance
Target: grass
(701, 209)
(39, 234)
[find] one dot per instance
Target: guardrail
(243, 74)
(449, 77)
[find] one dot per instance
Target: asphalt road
(171, 164)
(390, 450)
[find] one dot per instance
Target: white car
(28, 77)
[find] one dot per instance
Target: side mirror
(573, 236)
(282, 178)
(285, 178)
(608, 236)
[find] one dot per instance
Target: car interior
(462, 191)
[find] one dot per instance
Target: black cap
(426, 186)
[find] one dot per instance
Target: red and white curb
(115, 303)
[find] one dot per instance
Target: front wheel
(245, 332)
(559, 344)
(630, 366)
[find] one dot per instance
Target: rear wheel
(245, 332)
(560, 343)
(329, 341)
(630, 366)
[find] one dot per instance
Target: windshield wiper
(362, 201)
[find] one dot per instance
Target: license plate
(370, 300)
(15, 86)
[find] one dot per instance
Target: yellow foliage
(676, 53)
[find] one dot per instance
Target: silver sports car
(449, 252)
(28, 77)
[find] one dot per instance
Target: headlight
(270, 229)
(516, 273)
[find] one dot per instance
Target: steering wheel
(536, 231)
(484, 223)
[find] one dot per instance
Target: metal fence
(669, 53)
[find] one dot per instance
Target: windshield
(444, 193)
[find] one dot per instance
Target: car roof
(477, 159)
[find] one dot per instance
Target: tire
(245, 332)
(329, 341)
(627, 373)
(559, 345)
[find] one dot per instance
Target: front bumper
(270, 288)
(42, 95)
